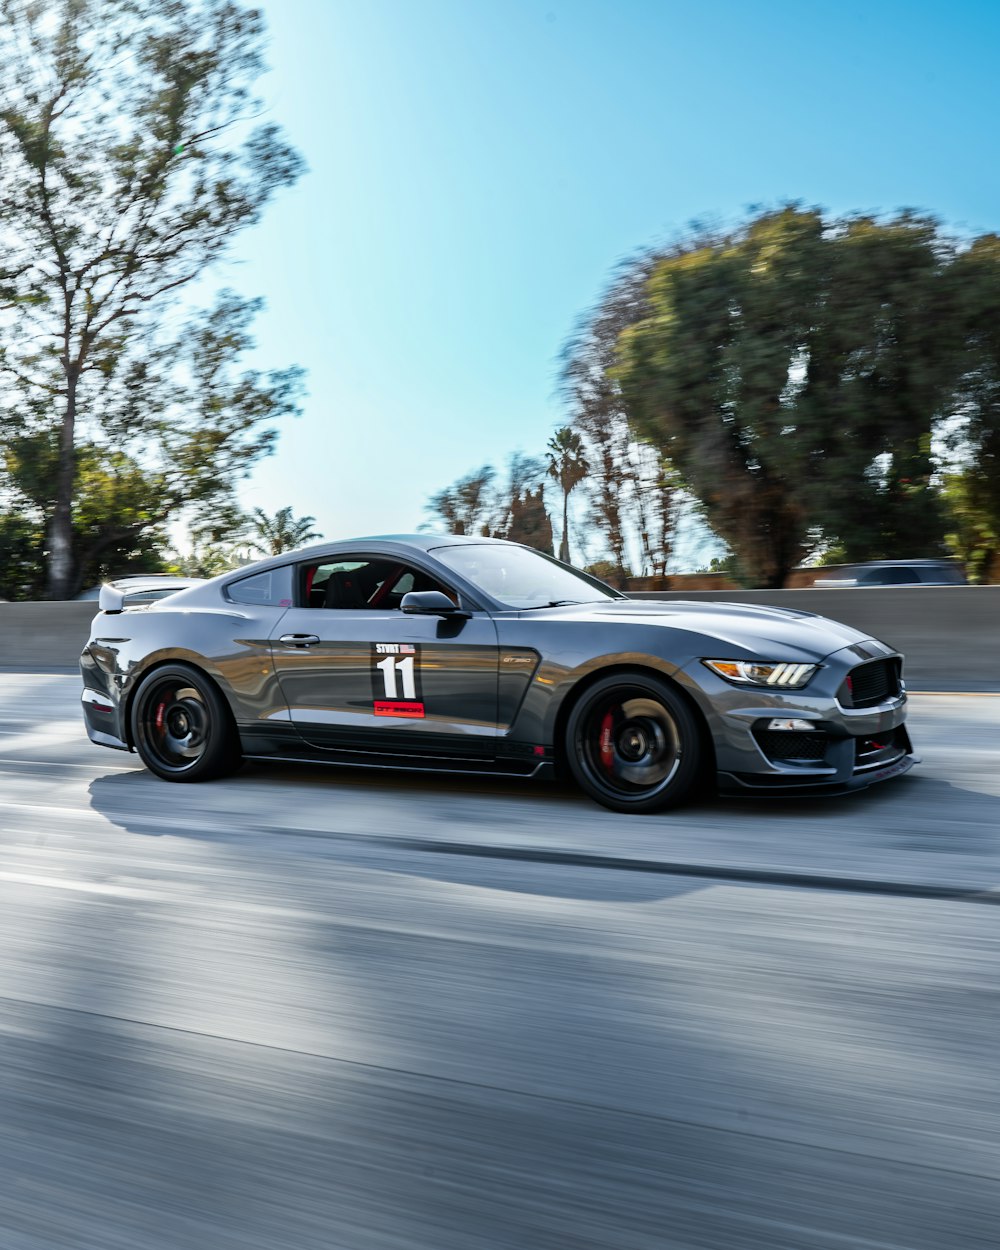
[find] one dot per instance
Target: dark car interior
(364, 584)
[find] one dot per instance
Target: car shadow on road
(135, 802)
(914, 812)
(551, 840)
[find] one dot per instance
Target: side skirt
(288, 747)
(471, 768)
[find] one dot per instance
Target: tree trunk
(62, 565)
(564, 541)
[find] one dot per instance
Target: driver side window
(350, 584)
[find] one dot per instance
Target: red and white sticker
(396, 684)
(398, 707)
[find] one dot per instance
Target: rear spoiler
(111, 599)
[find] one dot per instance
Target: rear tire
(633, 744)
(182, 727)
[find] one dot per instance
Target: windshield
(521, 578)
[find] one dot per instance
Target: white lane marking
(83, 887)
(954, 694)
(229, 823)
(58, 809)
(102, 769)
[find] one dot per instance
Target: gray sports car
(476, 655)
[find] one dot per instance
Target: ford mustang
(478, 655)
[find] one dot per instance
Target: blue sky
(477, 167)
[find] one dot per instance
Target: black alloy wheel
(632, 743)
(181, 726)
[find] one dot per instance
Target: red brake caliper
(607, 748)
(159, 715)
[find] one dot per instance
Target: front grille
(786, 746)
(872, 683)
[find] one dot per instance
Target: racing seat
(344, 590)
(315, 592)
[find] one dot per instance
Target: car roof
(426, 542)
(394, 544)
(887, 564)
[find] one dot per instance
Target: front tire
(182, 727)
(632, 743)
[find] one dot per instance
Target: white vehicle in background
(929, 572)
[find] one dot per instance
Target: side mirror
(110, 599)
(429, 603)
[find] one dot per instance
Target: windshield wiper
(552, 603)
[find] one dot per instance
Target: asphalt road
(306, 1009)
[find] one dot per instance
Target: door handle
(299, 640)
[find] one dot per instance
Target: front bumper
(845, 748)
(792, 785)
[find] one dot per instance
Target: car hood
(759, 629)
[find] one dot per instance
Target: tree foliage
(973, 491)
(796, 373)
(513, 501)
(633, 493)
(530, 523)
(595, 400)
(129, 158)
(467, 506)
(114, 530)
(484, 504)
(21, 542)
(270, 536)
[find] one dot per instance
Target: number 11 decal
(396, 680)
(390, 667)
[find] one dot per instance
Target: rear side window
(269, 589)
(890, 577)
(946, 574)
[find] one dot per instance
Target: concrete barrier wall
(44, 635)
(950, 635)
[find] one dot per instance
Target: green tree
(594, 397)
(515, 508)
(879, 383)
(529, 521)
(974, 533)
(467, 506)
(567, 464)
(208, 559)
(524, 473)
(114, 532)
(283, 532)
(658, 504)
(972, 489)
(21, 542)
(793, 372)
(128, 161)
(178, 446)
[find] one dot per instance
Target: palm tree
(568, 465)
(282, 532)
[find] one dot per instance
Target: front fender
(539, 718)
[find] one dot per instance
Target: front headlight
(758, 673)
